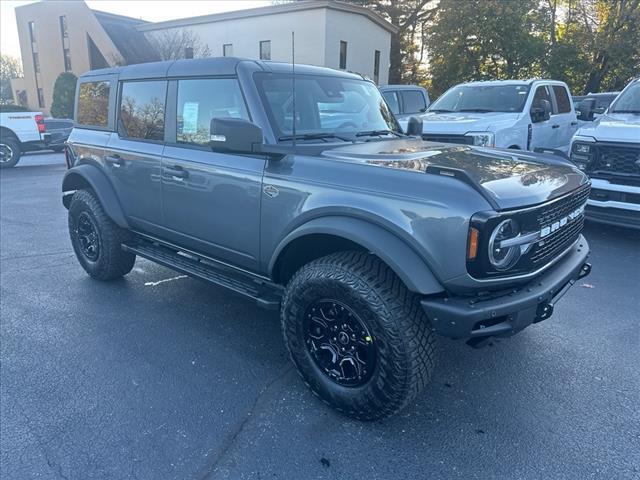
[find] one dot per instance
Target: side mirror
(586, 109)
(235, 135)
(414, 127)
(542, 112)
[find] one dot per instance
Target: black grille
(615, 159)
(466, 140)
(556, 242)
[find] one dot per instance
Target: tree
(63, 94)
(9, 68)
(172, 44)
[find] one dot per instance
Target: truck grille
(430, 137)
(556, 242)
(617, 159)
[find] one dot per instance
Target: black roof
(209, 66)
(132, 44)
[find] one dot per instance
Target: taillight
(42, 128)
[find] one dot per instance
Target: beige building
(59, 36)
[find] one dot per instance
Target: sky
(152, 10)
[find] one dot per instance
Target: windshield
(324, 105)
(482, 98)
(628, 101)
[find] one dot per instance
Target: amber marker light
(472, 248)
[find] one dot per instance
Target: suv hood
(463, 122)
(507, 179)
(613, 127)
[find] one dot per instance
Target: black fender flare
(400, 257)
(80, 176)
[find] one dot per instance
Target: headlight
(582, 148)
(504, 257)
(482, 139)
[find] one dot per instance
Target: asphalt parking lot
(157, 376)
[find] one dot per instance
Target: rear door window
(200, 100)
(392, 101)
(562, 99)
(142, 106)
(413, 101)
(93, 104)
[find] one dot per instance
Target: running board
(267, 295)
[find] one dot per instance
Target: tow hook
(585, 270)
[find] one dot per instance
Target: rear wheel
(9, 152)
(359, 338)
(97, 240)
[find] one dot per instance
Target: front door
(543, 133)
(210, 201)
(134, 154)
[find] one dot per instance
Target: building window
(200, 100)
(376, 66)
(40, 98)
(63, 26)
(142, 110)
(343, 54)
(32, 31)
(36, 62)
(265, 50)
(93, 104)
(67, 60)
(227, 50)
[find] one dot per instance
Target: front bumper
(482, 317)
(614, 204)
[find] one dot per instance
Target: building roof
(131, 43)
(271, 10)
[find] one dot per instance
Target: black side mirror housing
(414, 127)
(542, 112)
(586, 109)
(235, 135)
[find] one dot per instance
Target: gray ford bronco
(370, 242)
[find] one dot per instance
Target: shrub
(64, 91)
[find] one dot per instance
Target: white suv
(518, 114)
(608, 150)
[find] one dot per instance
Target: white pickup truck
(608, 150)
(517, 114)
(20, 131)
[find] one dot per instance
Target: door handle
(555, 126)
(176, 172)
(574, 123)
(115, 160)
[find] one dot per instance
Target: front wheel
(96, 239)
(359, 338)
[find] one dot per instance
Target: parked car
(601, 103)
(516, 114)
(608, 150)
(59, 130)
(368, 241)
(406, 101)
(20, 131)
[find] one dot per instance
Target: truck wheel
(9, 152)
(97, 240)
(359, 338)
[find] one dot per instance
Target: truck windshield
(324, 105)
(628, 101)
(482, 98)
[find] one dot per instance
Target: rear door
(134, 152)
(565, 118)
(210, 200)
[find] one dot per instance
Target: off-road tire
(112, 262)
(404, 339)
(14, 145)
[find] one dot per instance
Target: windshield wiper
(477, 110)
(441, 110)
(374, 133)
(314, 136)
(625, 111)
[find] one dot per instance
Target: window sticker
(190, 118)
